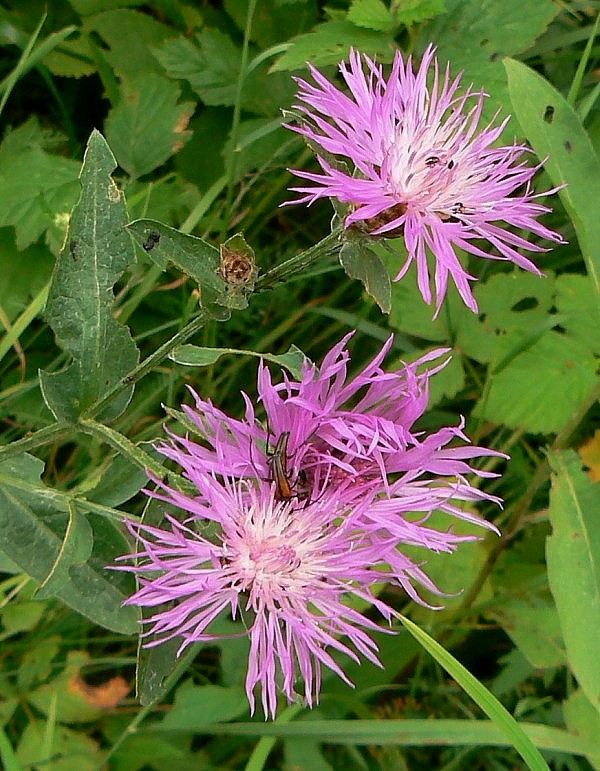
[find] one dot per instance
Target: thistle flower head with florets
(409, 159)
(288, 564)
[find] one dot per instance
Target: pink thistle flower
(419, 168)
(355, 436)
(288, 566)
(286, 572)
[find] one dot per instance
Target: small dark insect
(73, 248)
(433, 160)
(153, 239)
(278, 460)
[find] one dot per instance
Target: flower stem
(299, 263)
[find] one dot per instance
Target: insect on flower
(407, 154)
(285, 489)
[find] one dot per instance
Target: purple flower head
(419, 168)
(288, 563)
(348, 436)
(286, 571)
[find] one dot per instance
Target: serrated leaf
(72, 60)
(33, 522)
(331, 42)
(195, 356)
(553, 128)
(414, 11)
(540, 389)
(474, 36)
(130, 38)
(578, 304)
(148, 125)
(372, 14)
(361, 262)
(573, 558)
(212, 66)
(193, 256)
(79, 308)
(514, 311)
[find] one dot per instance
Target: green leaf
(494, 30)
(573, 557)
(361, 262)
(130, 38)
(33, 523)
(577, 302)
(79, 309)
(148, 125)
(372, 14)
(191, 255)
(212, 66)
(73, 59)
(582, 720)
(331, 42)
(196, 706)
(553, 128)
(196, 356)
(118, 482)
(139, 751)
(414, 11)
(482, 697)
(24, 273)
(410, 313)
(567, 371)
(76, 548)
(534, 629)
(514, 312)
(37, 188)
(69, 749)
(21, 617)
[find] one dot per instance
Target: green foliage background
(130, 118)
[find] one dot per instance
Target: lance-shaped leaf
(189, 254)
(97, 251)
(48, 539)
(573, 558)
(553, 128)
